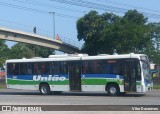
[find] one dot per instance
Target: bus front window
(146, 72)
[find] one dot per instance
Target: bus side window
(25, 68)
(36, 71)
(63, 68)
(55, 68)
(111, 68)
(107, 68)
(91, 67)
(48, 64)
(138, 71)
(126, 70)
(42, 68)
(85, 67)
(100, 67)
(121, 63)
(30, 68)
(116, 68)
(51, 68)
(10, 68)
(16, 69)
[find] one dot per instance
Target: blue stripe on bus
(101, 76)
(30, 77)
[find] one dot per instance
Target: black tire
(113, 90)
(44, 89)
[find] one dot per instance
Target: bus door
(129, 75)
(75, 76)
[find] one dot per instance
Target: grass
(156, 86)
(2, 84)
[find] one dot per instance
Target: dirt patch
(2, 83)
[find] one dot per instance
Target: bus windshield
(146, 71)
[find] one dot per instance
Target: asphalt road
(21, 97)
(79, 103)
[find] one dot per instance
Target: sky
(24, 15)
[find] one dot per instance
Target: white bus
(114, 74)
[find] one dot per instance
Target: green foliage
(40, 51)
(22, 50)
(156, 86)
(106, 32)
(151, 50)
(2, 85)
(4, 51)
(129, 33)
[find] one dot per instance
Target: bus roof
(79, 57)
(131, 55)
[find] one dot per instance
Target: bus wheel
(44, 89)
(113, 90)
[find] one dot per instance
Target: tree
(153, 49)
(40, 51)
(89, 29)
(22, 50)
(106, 32)
(4, 52)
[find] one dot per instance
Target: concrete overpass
(20, 36)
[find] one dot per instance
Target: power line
(35, 10)
(127, 5)
(88, 4)
(49, 5)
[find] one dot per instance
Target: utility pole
(53, 13)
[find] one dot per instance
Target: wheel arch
(113, 89)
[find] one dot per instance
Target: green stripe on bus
(27, 82)
(94, 81)
(138, 83)
(100, 81)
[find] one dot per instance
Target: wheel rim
(44, 89)
(113, 90)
